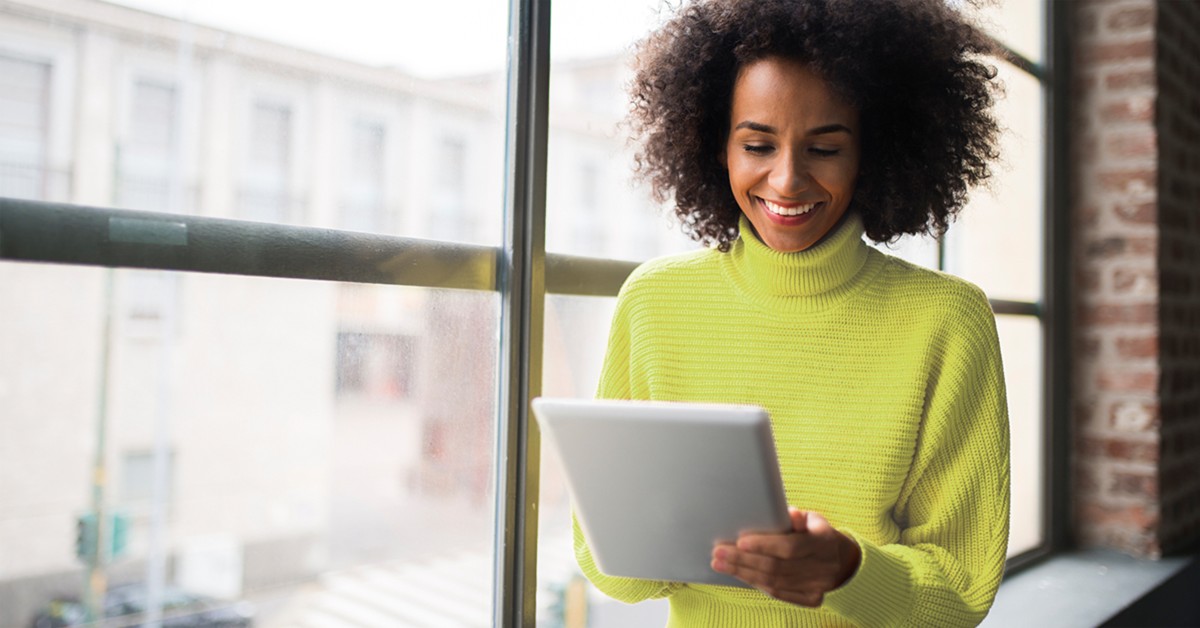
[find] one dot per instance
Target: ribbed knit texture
(886, 394)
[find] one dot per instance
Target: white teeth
(787, 211)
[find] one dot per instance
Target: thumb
(799, 519)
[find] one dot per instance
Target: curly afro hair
(915, 69)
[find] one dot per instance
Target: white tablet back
(656, 484)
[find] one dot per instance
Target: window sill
(1083, 588)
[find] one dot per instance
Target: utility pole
(95, 582)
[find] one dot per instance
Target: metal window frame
(524, 273)
(1053, 310)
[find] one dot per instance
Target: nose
(789, 175)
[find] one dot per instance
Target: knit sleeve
(954, 505)
(615, 384)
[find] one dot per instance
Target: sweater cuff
(880, 593)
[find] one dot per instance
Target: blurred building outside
(304, 420)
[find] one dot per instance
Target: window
(148, 157)
(24, 132)
(341, 408)
(328, 414)
(998, 243)
(363, 208)
(266, 193)
(450, 213)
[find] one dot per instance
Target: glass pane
(921, 250)
(334, 117)
(307, 453)
(997, 241)
(1018, 24)
(575, 338)
(593, 205)
(1021, 347)
(26, 164)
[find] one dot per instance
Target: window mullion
(522, 291)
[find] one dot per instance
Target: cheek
(842, 180)
(742, 174)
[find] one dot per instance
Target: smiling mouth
(782, 210)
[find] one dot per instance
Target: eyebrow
(821, 130)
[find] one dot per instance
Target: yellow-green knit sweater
(886, 394)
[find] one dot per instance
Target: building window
(590, 223)
(149, 155)
(265, 194)
(24, 128)
(450, 219)
(363, 208)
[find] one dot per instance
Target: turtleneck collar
(813, 279)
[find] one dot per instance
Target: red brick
(1114, 52)
(1086, 215)
(1136, 516)
(1088, 280)
(1130, 19)
(1127, 181)
(1134, 417)
(1087, 347)
(1142, 281)
(1132, 145)
(1106, 247)
(1086, 22)
(1120, 449)
(1138, 347)
(1088, 479)
(1128, 110)
(1107, 314)
(1084, 85)
(1143, 246)
(1125, 483)
(1139, 213)
(1131, 79)
(1086, 419)
(1126, 380)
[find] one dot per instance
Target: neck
(818, 275)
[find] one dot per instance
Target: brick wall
(1178, 118)
(1136, 253)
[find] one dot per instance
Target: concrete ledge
(1084, 588)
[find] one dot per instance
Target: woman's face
(792, 153)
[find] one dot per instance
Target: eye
(823, 152)
(757, 149)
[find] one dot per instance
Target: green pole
(95, 577)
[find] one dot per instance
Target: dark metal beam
(522, 291)
(71, 234)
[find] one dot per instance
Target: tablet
(656, 484)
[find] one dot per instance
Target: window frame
(522, 272)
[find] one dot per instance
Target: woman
(783, 130)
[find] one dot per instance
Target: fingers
(812, 534)
(768, 575)
(799, 519)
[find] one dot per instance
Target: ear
(723, 158)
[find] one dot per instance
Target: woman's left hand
(800, 566)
